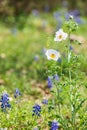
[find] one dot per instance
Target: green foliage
(24, 7)
(19, 69)
(66, 93)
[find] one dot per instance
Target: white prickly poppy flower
(60, 35)
(52, 54)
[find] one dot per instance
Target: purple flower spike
(54, 125)
(49, 81)
(5, 101)
(36, 58)
(71, 48)
(56, 77)
(36, 110)
(17, 93)
(35, 128)
(45, 101)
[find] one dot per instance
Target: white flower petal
(52, 54)
(60, 31)
(65, 36)
(60, 35)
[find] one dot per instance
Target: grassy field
(23, 64)
(21, 51)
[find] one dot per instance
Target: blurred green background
(17, 7)
(26, 29)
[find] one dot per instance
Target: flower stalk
(73, 114)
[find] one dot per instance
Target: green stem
(61, 68)
(58, 97)
(59, 101)
(73, 114)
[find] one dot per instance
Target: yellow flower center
(52, 56)
(60, 36)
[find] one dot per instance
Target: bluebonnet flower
(50, 78)
(47, 8)
(35, 12)
(36, 58)
(49, 81)
(36, 110)
(76, 15)
(45, 101)
(59, 19)
(56, 77)
(35, 128)
(5, 101)
(17, 93)
(75, 12)
(57, 15)
(64, 3)
(79, 20)
(71, 48)
(44, 50)
(54, 125)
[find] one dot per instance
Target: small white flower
(10, 99)
(52, 54)
(60, 35)
(71, 16)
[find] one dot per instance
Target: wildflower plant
(52, 54)
(67, 101)
(36, 110)
(49, 82)
(5, 102)
(62, 106)
(54, 125)
(60, 35)
(17, 95)
(45, 101)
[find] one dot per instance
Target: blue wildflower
(17, 93)
(47, 8)
(36, 57)
(54, 125)
(79, 20)
(44, 50)
(35, 128)
(57, 16)
(35, 12)
(64, 3)
(56, 77)
(76, 15)
(45, 101)
(74, 12)
(49, 81)
(71, 48)
(36, 110)
(50, 78)
(5, 101)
